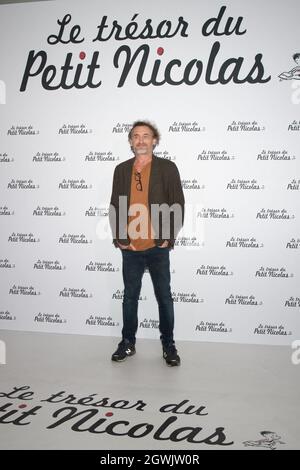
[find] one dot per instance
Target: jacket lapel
(153, 176)
(127, 177)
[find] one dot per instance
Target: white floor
(222, 395)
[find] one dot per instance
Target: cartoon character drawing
(293, 74)
(271, 439)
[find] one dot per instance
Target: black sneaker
(170, 355)
(124, 349)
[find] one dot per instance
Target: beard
(141, 151)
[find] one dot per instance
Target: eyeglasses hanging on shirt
(138, 180)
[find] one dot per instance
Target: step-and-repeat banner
(222, 83)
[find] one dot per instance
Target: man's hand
(126, 247)
(164, 245)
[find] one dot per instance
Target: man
(146, 213)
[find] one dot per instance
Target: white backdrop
(232, 129)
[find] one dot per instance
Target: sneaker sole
(173, 364)
(115, 359)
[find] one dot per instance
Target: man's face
(142, 140)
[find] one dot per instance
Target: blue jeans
(158, 262)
